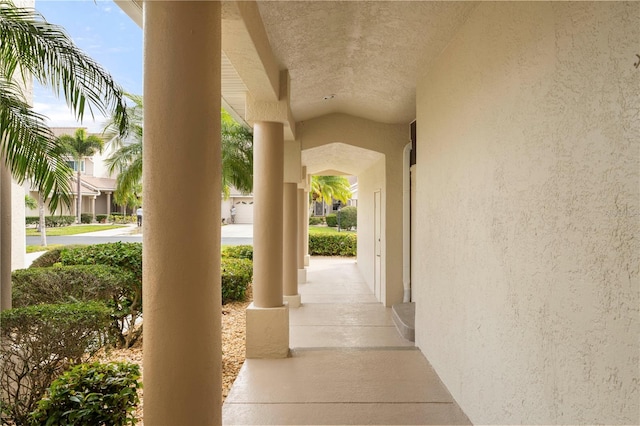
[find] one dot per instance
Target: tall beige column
(5, 237)
(181, 266)
(305, 228)
(302, 217)
(108, 204)
(93, 208)
(290, 245)
(267, 317)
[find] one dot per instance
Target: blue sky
(106, 34)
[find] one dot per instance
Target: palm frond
(31, 45)
(28, 146)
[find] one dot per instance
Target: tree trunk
(43, 224)
(79, 194)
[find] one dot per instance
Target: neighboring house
(243, 204)
(97, 185)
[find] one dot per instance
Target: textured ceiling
(339, 159)
(363, 52)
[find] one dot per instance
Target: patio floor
(348, 364)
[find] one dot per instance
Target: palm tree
(30, 46)
(126, 160)
(326, 188)
(80, 146)
(237, 156)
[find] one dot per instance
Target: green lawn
(313, 229)
(72, 230)
(33, 249)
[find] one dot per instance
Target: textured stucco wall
(387, 139)
(526, 278)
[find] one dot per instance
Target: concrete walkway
(348, 364)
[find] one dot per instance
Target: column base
(267, 332)
(293, 301)
(302, 276)
(307, 258)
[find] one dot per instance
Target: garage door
(244, 210)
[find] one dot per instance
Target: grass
(72, 230)
(33, 249)
(313, 229)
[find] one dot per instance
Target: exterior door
(377, 220)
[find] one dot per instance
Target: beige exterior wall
(368, 182)
(387, 139)
(526, 258)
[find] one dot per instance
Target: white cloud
(59, 115)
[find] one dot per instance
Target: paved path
(348, 364)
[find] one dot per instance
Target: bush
(55, 221)
(113, 286)
(332, 220)
(237, 252)
(101, 218)
(51, 257)
(120, 218)
(32, 220)
(86, 218)
(339, 244)
(37, 343)
(348, 217)
(236, 277)
(316, 220)
(127, 256)
(91, 394)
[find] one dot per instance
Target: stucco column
(108, 204)
(5, 237)
(302, 216)
(267, 317)
(93, 208)
(305, 228)
(290, 245)
(181, 267)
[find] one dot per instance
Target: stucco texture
(526, 237)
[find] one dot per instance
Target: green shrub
(86, 218)
(120, 218)
(237, 252)
(37, 343)
(113, 286)
(348, 217)
(51, 221)
(55, 221)
(316, 220)
(127, 256)
(236, 277)
(332, 220)
(101, 218)
(338, 244)
(91, 394)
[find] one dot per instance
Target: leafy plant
(91, 394)
(339, 244)
(127, 256)
(332, 220)
(86, 218)
(113, 286)
(237, 252)
(348, 217)
(37, 343)
(236, 277)
(101, 218)
(316, 220)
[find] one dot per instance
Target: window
(74, 165)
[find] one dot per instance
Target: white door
(244, 210)
(377, 220)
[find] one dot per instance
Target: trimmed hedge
(37, 343)
(332, 220)
(51, 221)
(127, 256)
(86, 218)
(91, 394)
(316, 220)
(348, 217)
(101, 218)
(237, 252)
(338, 244)
(236, 276)
(113, 286)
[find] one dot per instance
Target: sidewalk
(348, 364)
